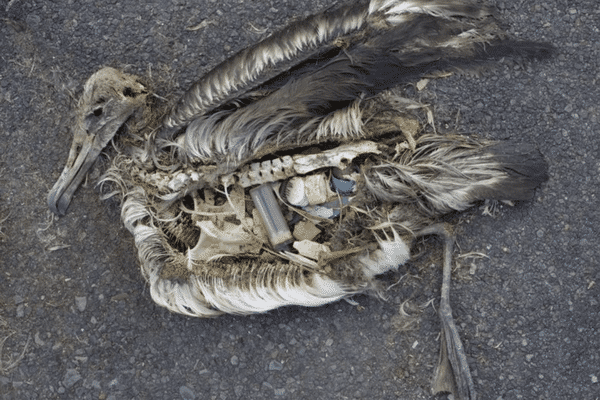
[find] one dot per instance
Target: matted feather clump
(291, 174)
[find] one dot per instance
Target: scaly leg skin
(452, 373)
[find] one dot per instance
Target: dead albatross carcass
(291, 175)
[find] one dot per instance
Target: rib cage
(243, 289)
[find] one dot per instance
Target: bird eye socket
(98, 112)
(128, 92)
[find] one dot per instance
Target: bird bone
(270, 171)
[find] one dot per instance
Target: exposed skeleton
(252, 194)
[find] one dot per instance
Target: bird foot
(452, 373)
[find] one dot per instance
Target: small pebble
(71, 377)
(33, 20)
(38, 340)
(186, 393)
(275, 366)
(81, 303)
(540, 233)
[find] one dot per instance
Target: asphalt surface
(76, 320)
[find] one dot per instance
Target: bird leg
(452, 373)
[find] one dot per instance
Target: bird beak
(109, 100)
(77, 165)
(84, 151)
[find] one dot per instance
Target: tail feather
(450, 173)
(524, 167)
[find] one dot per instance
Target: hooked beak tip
(57, 203)
(61, 194)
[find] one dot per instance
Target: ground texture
(76, 320)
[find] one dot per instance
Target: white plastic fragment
(296, 192)
(306, 230)
(311, 249)
(317, 189)
(309, 190)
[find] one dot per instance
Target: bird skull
(109, 99)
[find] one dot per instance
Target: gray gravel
(76, 320)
